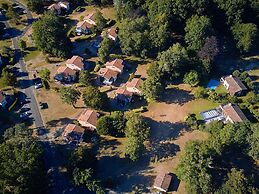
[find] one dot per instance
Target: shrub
(201, 93)
(191, 78)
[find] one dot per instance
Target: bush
(191, 78)
(236, 73)
(72, 32)
(201, 92)
(192, 121)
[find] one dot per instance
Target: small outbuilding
(163, 182)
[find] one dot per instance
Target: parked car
(24, 115)
(38, 84)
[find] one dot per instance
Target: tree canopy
(69, 95)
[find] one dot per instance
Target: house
(83, 27)
(88, 118)
(73, 133)
(55, 7)
(163, 182)
(107, 76)
(115, 65)
(232, 113)
(65, 74)
(58, 7)
(112, 33)
(89, 18)
(3, 100)
(234, 86)
(134, 86)
(123, 96)
(76, 63)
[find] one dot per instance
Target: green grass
(221, 90)
(31, 55)
(199, 105)
(7, 42)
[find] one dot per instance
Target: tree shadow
(176, 95)
(62, 121)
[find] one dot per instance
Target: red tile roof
(77, 61)
(84, 24)
(66, 71)
(112, 32)
(124, 91)
(108, 73)
(118, 63)
(88, 116)
(73, 128)
(89, 17)
(135, 82)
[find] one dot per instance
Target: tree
(244, 35)
(134, 36)
(100, 20)
(105, 49)
(22, 44)
(84, 77)
(50, 36)
(93, 98)
(45, 74)
(12, 14)
(191, 78)
(173, 61)
(192, 121)
(69, 95)
(194, 166)
(7, 78)
(236, 183)
(103, 126)
(153, 86)
(233, 9)
(21, 166)
(137, 131)
(209, 52)
(253, 140)
(197, 29)
(36, 5)
(201, 92)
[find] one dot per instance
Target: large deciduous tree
(244, 35)
(69, 95)
(197, 29)
(50, 36)
(105, 49)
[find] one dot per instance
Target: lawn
(221, 90)
(199, 105)
(31, 54)
(6, 42)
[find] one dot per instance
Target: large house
(112, 33)
(88, 118)
(232, 113)
(115, 65)
(76, 63)
(59, 6)
(134, 86)
(65, 74)
(107, 76)
(83, 27)
(234, 85)
(123, 96)
(226, 113)
(163, 182)
(73, 133)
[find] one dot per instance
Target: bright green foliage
(253, 140)
(137, 131)
(173, 60)
(69, 95)
(191, 78)
(100, 20)
(7, 78)
(45, 74)
(50, 36)
(113, 124)
(93, 98)
(236, 183)
(201, 92)
(245, 35)
(21, 165)
(22, 44)
(233, 9)
(133, 35)
(104, 50)
(192, 121)
(84, 77)
(197, 29)
(194, 167)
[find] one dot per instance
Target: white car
(24, 115)
(38, 85)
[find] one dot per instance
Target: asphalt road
(28, 89)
